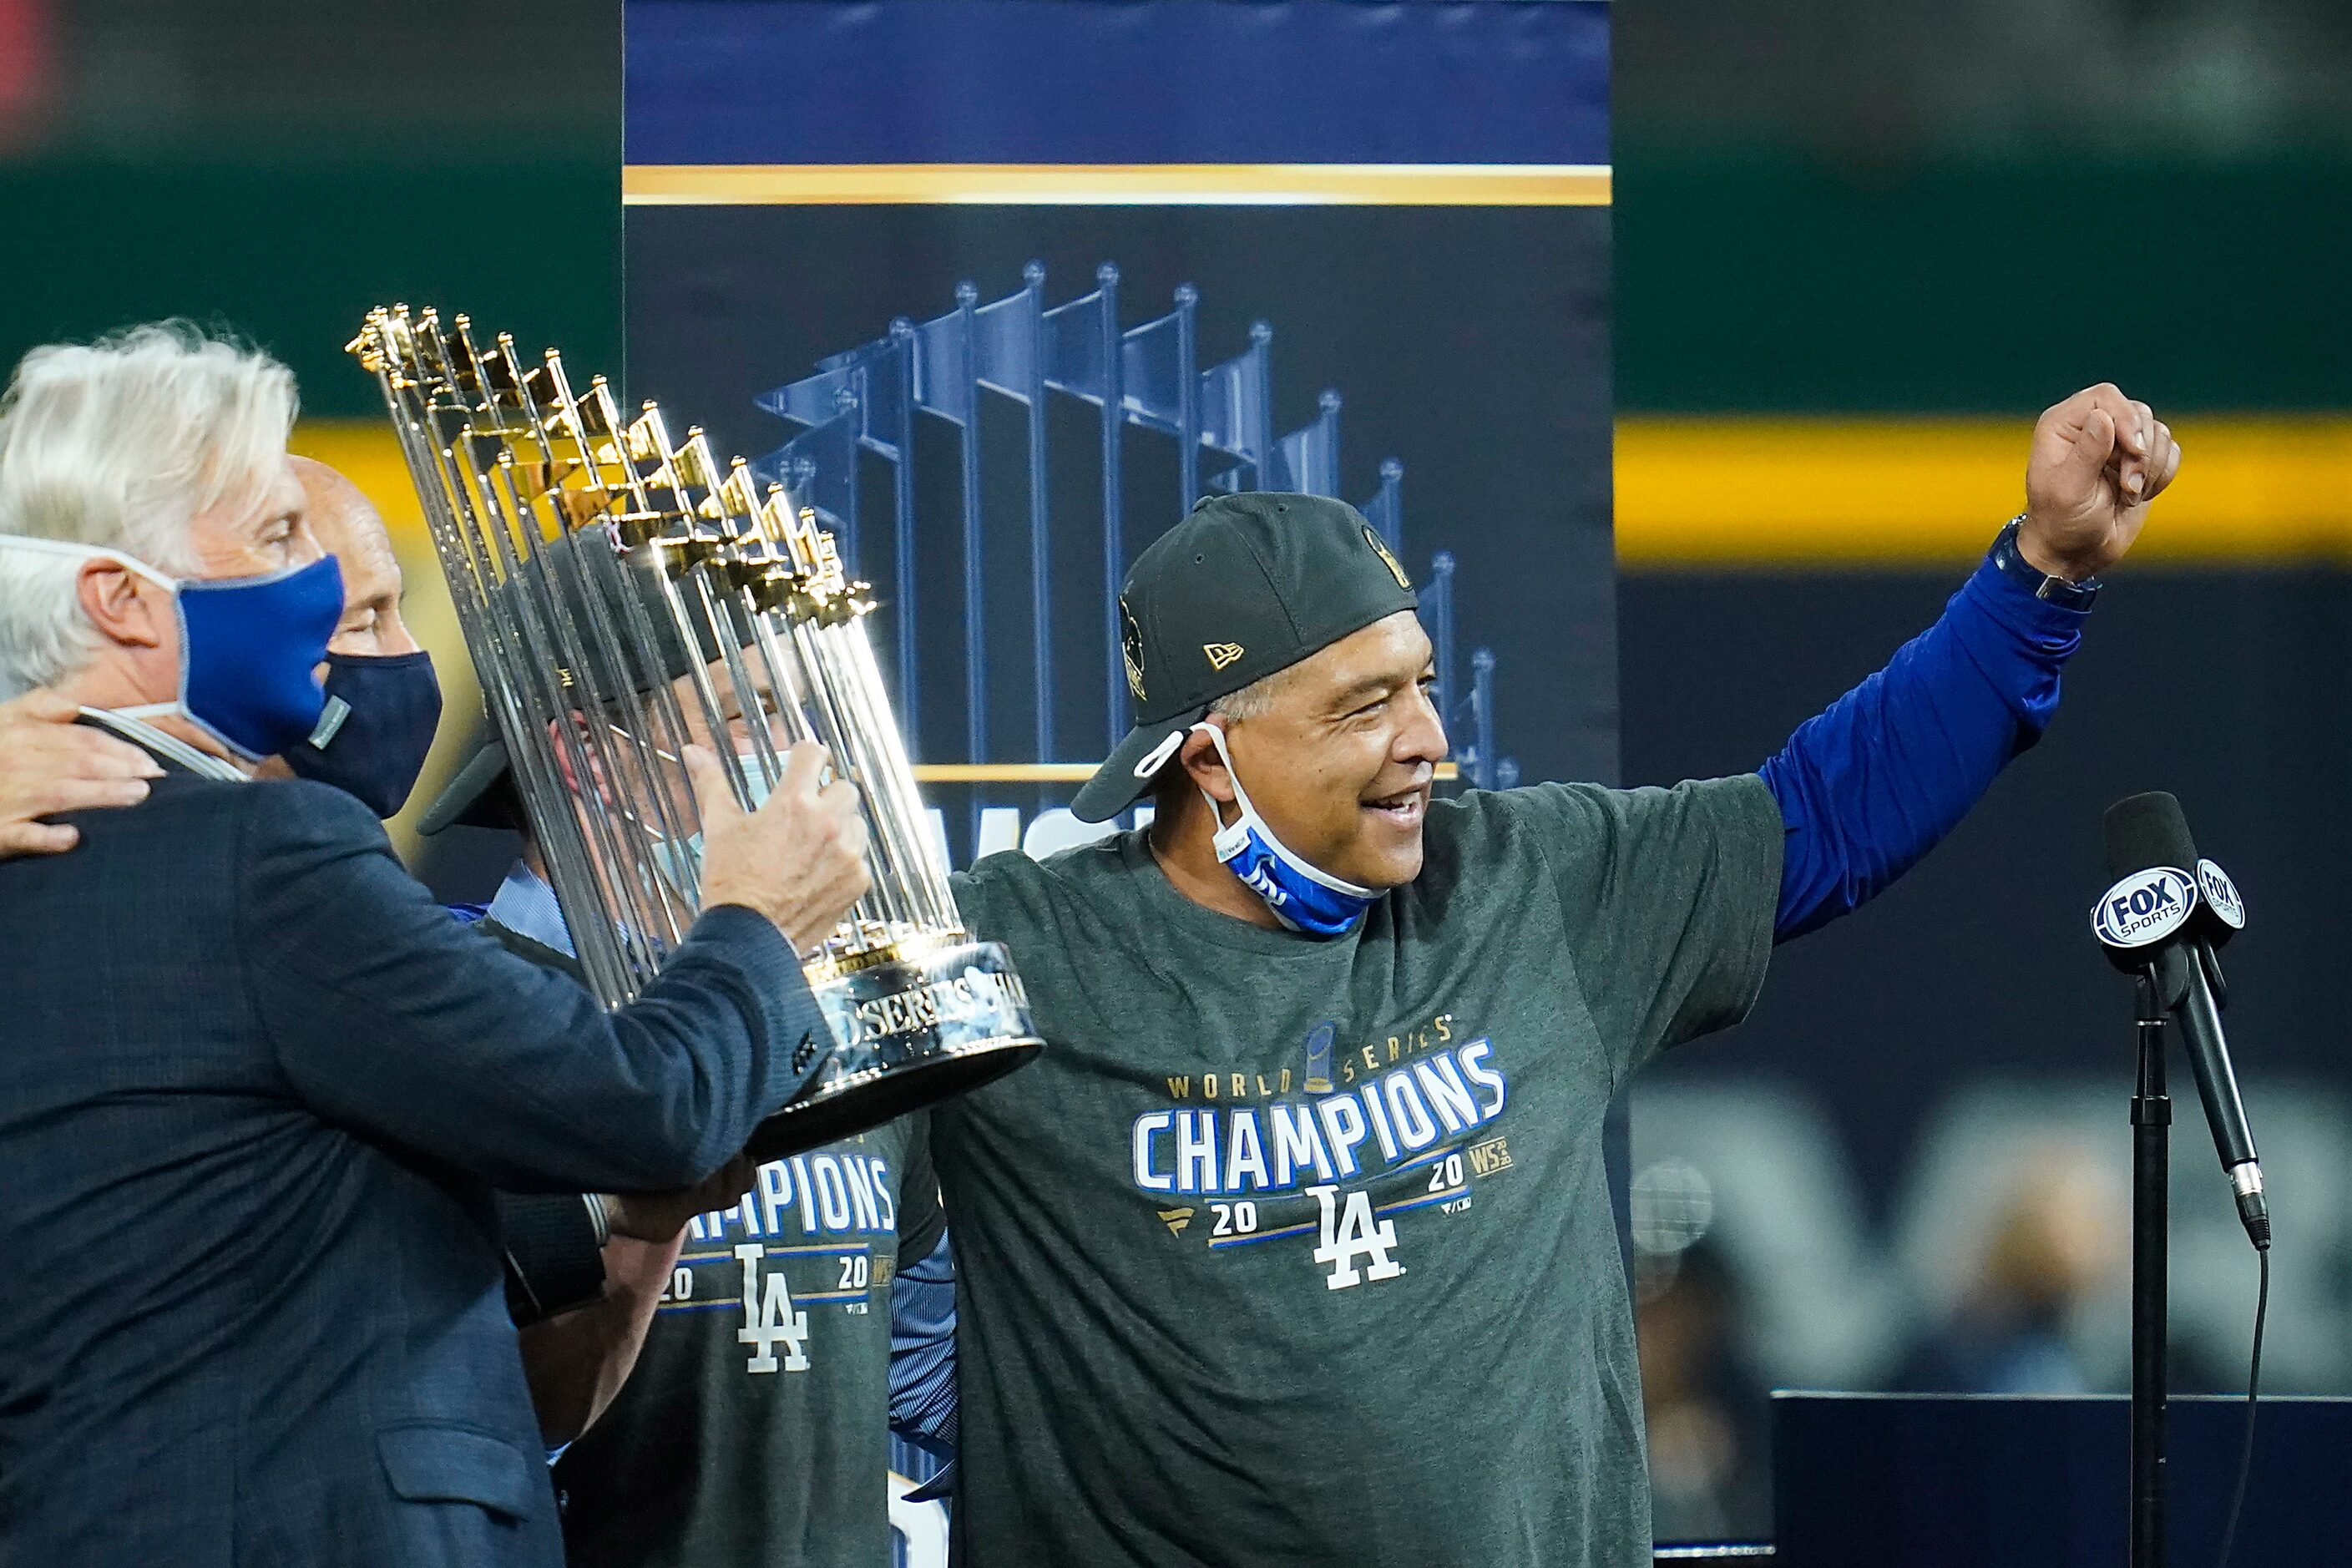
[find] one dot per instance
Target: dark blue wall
(2227, 689)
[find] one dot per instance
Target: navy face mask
(371, 740)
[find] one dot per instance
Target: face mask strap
(171, 585)
(1245, 812)
(182, 591)
(67, 547)
(1249, 817)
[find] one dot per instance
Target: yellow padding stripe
(1707, 493)
(1091, 184)
(367, 454)
(1704, 493)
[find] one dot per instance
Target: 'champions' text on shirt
(1286, 1144)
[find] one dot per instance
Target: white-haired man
(613, 1253)
(255, 1086)
(383, 700)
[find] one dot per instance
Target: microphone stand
(2152, 1115)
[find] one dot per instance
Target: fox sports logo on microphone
(2222, 895)
(2145, 907)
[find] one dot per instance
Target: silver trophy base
(905, 1032)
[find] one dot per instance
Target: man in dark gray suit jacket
(255, 1087)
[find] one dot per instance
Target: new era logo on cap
(1220, 654)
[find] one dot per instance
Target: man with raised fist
(1296, 1246)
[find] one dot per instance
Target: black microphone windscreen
(2144, 830)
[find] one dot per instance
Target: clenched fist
(2098, 459)
(800, 859)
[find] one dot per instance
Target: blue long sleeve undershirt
(1870, 784)
(922, 1351)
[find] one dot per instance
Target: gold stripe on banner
(1730, 493)
(1105, 185)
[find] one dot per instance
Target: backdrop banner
(1002, 287)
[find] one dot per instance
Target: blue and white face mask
(1302, 897)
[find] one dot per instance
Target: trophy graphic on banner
(1016, 356)
(624, 595)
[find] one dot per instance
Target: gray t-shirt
(753, 1430)
(1295, 1252)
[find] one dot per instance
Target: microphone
(2165, 916)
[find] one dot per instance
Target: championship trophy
(624, 595)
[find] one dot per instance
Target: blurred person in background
(1710, 1477)
(2055, 1240)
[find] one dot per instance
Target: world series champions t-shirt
(754, 1429)
(1300, 1252)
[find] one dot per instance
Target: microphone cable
(2253, 1388)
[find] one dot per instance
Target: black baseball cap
(580, 564)
(480, 794)
(1248, 584)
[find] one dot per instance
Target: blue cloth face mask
(370, 741)
(1302, 897)
(247, 647)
